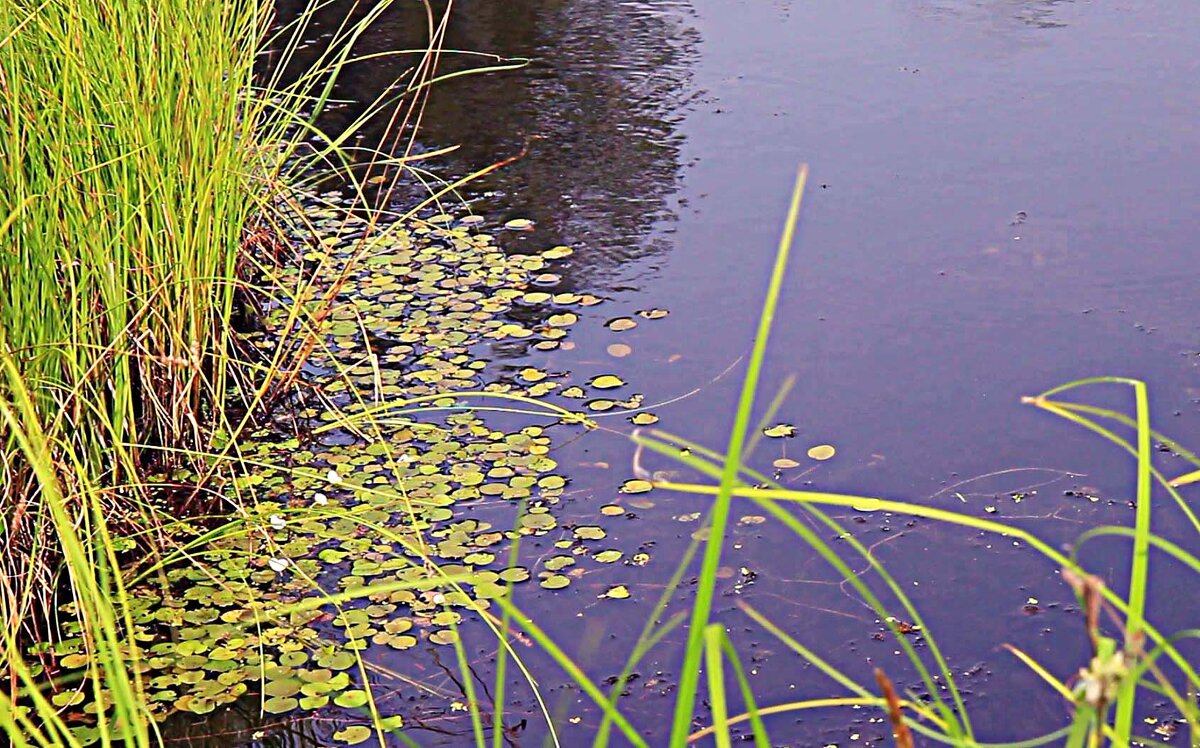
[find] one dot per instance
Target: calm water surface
(1002, 199)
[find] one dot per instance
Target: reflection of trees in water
(242, 724)
(1003, 14)
(601, 99)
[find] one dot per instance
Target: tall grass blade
(702, 607)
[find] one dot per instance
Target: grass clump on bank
(131, 162)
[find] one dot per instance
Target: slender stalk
(702, 607)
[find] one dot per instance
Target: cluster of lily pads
(350, 524)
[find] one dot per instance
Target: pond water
(1001, 200)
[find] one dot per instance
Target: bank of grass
(142, 164)
(132, 160)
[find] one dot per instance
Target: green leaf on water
(636, 486)
(606, 382)
(314, 702)
(352, 699)
(590, 532)
(780, 431)
(555, 582)
(353, 735)
(444, 637)
(652, 313)
(620, 324)
(280, 705)
(557, 253)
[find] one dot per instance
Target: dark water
(1002, 199)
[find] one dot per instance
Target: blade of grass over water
(706, 462)
(702, 607)
(1140, 559)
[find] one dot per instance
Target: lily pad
(635, 486)
(821, 452)
(353, 735)
(780, 431)
(620, 324)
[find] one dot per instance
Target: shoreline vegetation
(218, 386)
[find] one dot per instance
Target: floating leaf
(74, 660)
(282, 687)
(821, 452)
(619, 592)
(590, 532)
(444, 637)
(780, 431)
(530, 374)
(652, 313)
(608, 557)
(555, 582)
(557, 563)
(352, 699)
(314, 702)
(752, 519)
(515, 574)
(519, 224)
(67, 698)
(785, 463)
(620, 324)
(279, 705)
(557, 253)
(353, 735)
(636, 486)
(606, 382)
(643, 419)
(336, 660)
(611, 510)
(574, 392)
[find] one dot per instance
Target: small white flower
(333, 477)
(438, 598)
(406, 459)
(278, 564)
(277, 521)
(320, 499)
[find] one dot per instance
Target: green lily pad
(555, 582)
(351, 699)
(353, 735)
